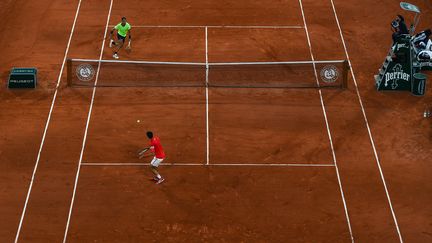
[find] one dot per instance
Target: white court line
(206, 64)
(86, 128)
(137, 62)
(205, 164)
(207, 99)
(367, 124)
(313, 62)
(47, 123)
(328, 127)
(219, 26)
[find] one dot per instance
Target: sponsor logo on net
(85, 72)
(329, 74)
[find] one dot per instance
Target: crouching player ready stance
(159, 155)
(123, 29)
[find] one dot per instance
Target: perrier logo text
(397, 74)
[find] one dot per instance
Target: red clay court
(262, 164)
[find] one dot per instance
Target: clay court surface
(243, 165)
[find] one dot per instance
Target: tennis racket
(142, 152)
(128, 48)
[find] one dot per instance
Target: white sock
(159, 176)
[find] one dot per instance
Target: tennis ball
(138, 121)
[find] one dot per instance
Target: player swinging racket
(123, 29)
(159, 156)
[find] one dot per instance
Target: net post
(345, 74)
(69, 72)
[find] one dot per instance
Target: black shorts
(121, 38)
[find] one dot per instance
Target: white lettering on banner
(397, 74)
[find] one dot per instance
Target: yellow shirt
(123, 30)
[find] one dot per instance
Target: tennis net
(293, 74)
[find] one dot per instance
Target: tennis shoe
(160, 181)
(116, 56)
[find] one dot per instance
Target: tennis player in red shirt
(159, 155)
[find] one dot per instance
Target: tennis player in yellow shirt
(123, 29)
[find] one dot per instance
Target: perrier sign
(397, 78)
(397, 71)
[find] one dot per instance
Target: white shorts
(156, 162)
